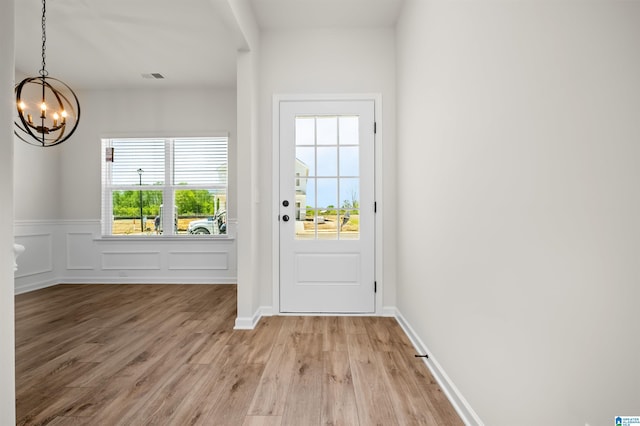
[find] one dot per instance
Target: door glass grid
(327, 177)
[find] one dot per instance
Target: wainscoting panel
(78, 257)
(198, 260)
(38, 256)
(74, 252)
(131, 260)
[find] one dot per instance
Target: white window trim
(168, 188)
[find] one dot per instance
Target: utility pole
(140, 171)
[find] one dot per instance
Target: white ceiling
(110, 44)
(294, 14)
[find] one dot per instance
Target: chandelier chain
(43, 71)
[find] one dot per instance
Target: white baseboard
(147, 280)
(246, 323)
(389, 311)
(460, 404)
(26, 288)
(243, 323)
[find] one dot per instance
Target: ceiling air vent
(153, 76)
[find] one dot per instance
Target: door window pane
(326, 225)
(349, 208)
(305, 161)
(327, 161)
(327, 130)
(349, 161)
(349, 134)
(305, 208)
(350, 193)
(305, 131)
(306, 193)
(327, 193)
(349, 222)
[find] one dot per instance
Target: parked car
(213, 225)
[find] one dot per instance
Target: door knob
(285, 218)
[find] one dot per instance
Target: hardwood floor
(168, 355)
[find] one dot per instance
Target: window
(160, 186)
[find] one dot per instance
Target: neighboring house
(302, 171)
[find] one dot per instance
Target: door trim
(275, 180)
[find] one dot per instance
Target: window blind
(201, 162)
(132, 154)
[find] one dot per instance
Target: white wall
(519, 140)
(63, 182)
(36, 179)
(248, 199)
(243, 26)
(170, 112)
(7, 370)
(63, 240)
(318, 62)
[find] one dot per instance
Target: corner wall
(519, 140)
(335, 61)
(243, 24)
(63, 240)
(248, 192)
(7, 333)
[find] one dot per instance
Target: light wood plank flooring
(168, 355)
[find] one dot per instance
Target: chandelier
(48, 110)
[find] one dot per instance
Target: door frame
(378, 195)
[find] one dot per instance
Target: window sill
(164, 238)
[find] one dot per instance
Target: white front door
(327, 206)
